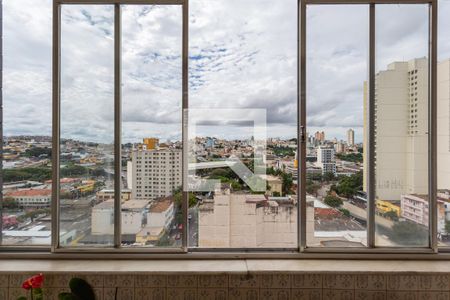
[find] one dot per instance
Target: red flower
(33, 282)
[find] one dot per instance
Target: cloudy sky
(243, 54)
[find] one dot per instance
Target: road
(362, 214)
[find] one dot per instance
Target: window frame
(371, 251)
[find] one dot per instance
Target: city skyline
(214, 67)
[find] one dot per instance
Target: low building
(247, 221)
(161, 213)
(37, 198)
(133, 217)
(108, 194)
(274, 182)
(415, 208)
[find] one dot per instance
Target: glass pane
(243, 124)
(337, 60)
(27, 108)
(87, 125)
(443, 122)
(401, 125)
(151, 140)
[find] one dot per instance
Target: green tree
(345, 212)
(333, 201)
(392, 215)
(447, 226)
(328, 176)
(287, 183)
(409, 233)
(10, 203)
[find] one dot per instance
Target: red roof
(30, 193)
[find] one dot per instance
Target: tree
(10, 203)
(345, 212)
(287, 183)
(447, 226)
(348, 186)
(37, 152)
(328, 176)
(392, 215)
(409, 233)
(333, 201)
(312, 188)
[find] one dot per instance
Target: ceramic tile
(57, 280)
(126, 281)
(16, 280)
(157, 281)
(328, 294)
(306, 294)
(310, 281)
(4, 293)
(243, 281)
(433, 295)
(4, 280)
(401, 295)
(274, 281)
(212, 293)
(243, 294)
(14, 293)
(182, 281)
(150, 293)
(96, 281)
(370, 282)
(181, 294)
(274, 294)
(122, 293)
(403, 282)
(370, 295)
(213, 281)
(338, 281)
(434, 282)
(52, 293)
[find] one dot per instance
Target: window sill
(235, 266)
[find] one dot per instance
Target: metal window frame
(303, 252)
(117, 245)
(432, 128)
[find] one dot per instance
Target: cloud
(242, 54)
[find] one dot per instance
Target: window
(225, 126)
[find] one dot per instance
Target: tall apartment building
(350, 137)
(320, 136)
(155, 173)
(401, 127)
(443, 125)
(326, 160)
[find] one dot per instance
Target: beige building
(155, 173)
(247, 221)
(350, 137)
(401, 125)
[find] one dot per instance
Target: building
(326, 160)
(415, 207)
(133, 217)
(247, 221)
(107, 194)
(161, 213)
(401, 125)
(31, 197)
(339, 147)
(274, 182)
(319, 136)
(150, 143)
(155, 173)
(350, 137)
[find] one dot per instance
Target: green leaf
(67, 296)
(22, 298)
(81, 289)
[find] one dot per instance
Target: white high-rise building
(350, 137)
(326, 160)
(443, 125)
(155, 173)
(401, 126)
